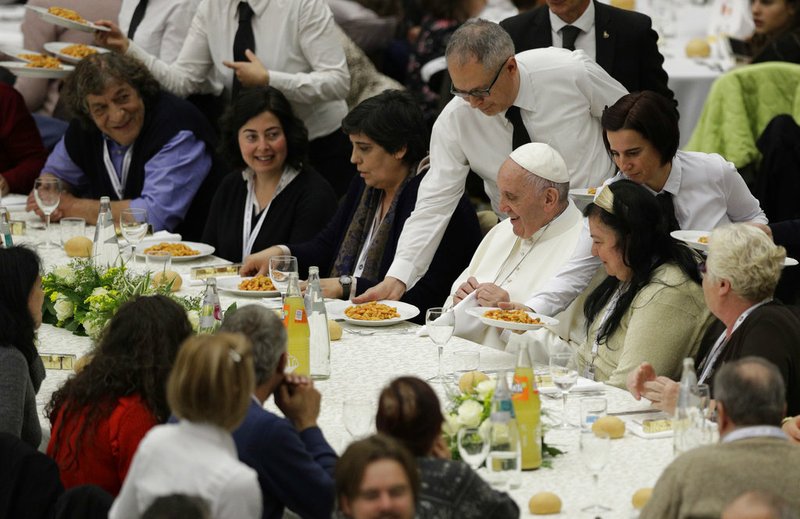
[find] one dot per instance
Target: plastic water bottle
(105, 249)
(504, 453)
(319, 341)
(686, 424)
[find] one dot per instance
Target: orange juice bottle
(528, 409)
(296, 323)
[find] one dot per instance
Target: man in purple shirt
(138, 145)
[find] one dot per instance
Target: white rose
(485, 388)
(64, 308)
(469, 413)
(194, 319)
(486, 428)
(451, 425)
(66, 273)
(93, 327)
(99, 291)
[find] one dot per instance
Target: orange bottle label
(521, 388)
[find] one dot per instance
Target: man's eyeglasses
(480, 93)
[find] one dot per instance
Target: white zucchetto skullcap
(541, 160)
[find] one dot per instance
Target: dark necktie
(136, 19)
(243, 40)
(668, 209)
(568, 36)
(520, 135)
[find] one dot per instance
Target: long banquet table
(362, 363)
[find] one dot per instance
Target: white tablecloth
(361, 364)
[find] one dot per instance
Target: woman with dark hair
(356, 248)
(277, 197)
(99, 416)
(651, 280)
(21, 369)
(777, 34)
(409, 411)
(134, 143)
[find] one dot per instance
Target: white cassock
(519, 266)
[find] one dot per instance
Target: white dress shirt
(296, 42)
(707, 191)
(192, 459)
(586, 38)
(163, 28)
(561, 98)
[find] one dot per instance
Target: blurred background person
(741, 272)
(409, 411)
(22, 154)
(21, 368)
(133, 142)
(277, 197)
(377, 477)
(209, 389)
(177, 506)
(759, 504)
(777, 34)
(42, 95)
(100, 415)
(388, 142)
(652, 279)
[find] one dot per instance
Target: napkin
(164, 236)
(14, 202)
(467, 326)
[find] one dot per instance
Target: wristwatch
(346, 282)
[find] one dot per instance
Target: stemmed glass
(47, 192)
(562, 369)
(279, 269)
(473, 445)
(440, 323)
(357, 416)
(133, 222)
(595, 451)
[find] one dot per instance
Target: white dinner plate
(54, 47)
(478, 311)
(231, 285)
(204, 249)
(692, 238)
(407, 311)
(63, 22)
(20, 69)
(16, 53)
(545, 385)
(583, 194)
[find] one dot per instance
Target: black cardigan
(459, 242)
(297, 213)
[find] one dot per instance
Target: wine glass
(562, 369)
(473, 445)
(47, 192)
(440, 323)
(133, 223)
(279, 269)
(357, 416)
(595, 451)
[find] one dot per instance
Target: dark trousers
(330, 156)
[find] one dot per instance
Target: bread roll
(698, 48)
(334, 330)
(641, 497)
(611, 426)
(469, 380)
(544, 503)
(78, 247)
(164, 278)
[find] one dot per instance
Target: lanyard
(376, 223)
(116, 183)
(250, 233)
(711, 358)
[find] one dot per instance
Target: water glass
(595, 452)
(279, 269)
(473, 446)
(72, 227)
(504, 461)
(47, 192)
(358, 416)
(158, 261)
(592, 409)
(464, 361)
(133, 223)
(565, 376)
(440, 323)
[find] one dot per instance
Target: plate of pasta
(587, 193)
(180, 250)
(72, 52)
(256, 286)
(519, 320)
(66, 18)
(45, 67)
(375, 313)
(697, 240)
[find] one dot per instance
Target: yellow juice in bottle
(296, 323)
(528, 408)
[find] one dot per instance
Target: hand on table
(331, 288)
(249, 73)
(390, 288)
(663, 393)
(637, 378)
(299, 401)
(258, 263)
(114, 39)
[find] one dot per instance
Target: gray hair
(747, 257)
(265, 330)
(486, 42)
(752, 391)
(776, 506)
(540, 184)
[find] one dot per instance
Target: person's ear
(401, 153)
(344, 506)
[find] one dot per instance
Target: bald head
(758, 505)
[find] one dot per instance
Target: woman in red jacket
(99, 416)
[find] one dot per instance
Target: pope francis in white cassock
(524, 251)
